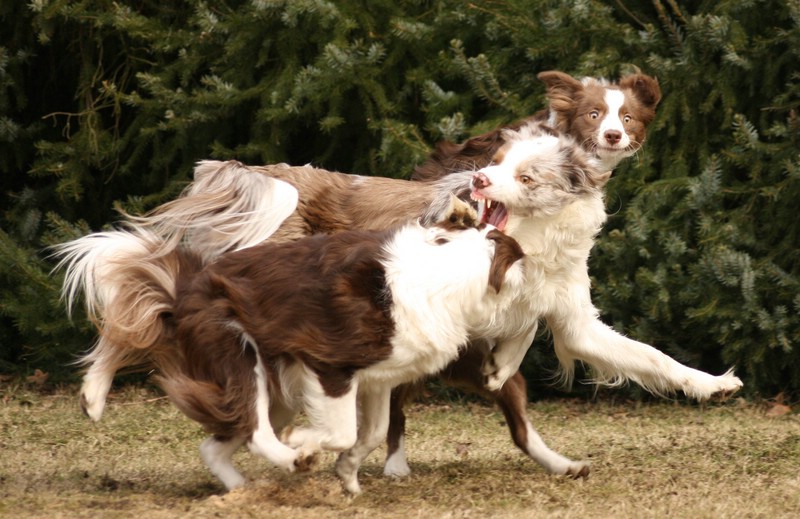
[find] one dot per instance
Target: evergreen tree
(108, 104)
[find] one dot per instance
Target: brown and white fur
(328, 324)
(608, 119)
(552, 193)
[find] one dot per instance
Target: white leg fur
(372, 431)
(263, 441)
(217, 456)
(334, 421)
(397, 465)
(94, 391)
(104, 360)
(550, 460)
(618, 359)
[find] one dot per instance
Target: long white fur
(557, 288)
(557, 248)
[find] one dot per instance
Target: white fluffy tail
(227, 207)
(90, 263)
(128, 291)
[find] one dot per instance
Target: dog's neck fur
(577, 225)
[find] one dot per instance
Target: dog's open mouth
(490, 211)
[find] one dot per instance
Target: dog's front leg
(372, 429)
(333, 419)
(616, 359)
(505, 358)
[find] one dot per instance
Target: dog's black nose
(479, 180)
(613, 136)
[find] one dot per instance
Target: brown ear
(644, 87)
(560, 86)
(506, 252)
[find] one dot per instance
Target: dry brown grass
(664, 460)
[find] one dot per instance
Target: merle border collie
(327, 324)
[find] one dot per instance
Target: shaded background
(109, 104)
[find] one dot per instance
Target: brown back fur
(332, 202)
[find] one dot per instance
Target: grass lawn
(648, 460)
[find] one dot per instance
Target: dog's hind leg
(217, 453)
(396, 464)
(374, 404)
(263, 441)
(104, 360)
(512, 399)
(617, 359)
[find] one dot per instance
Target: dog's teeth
(488, 204)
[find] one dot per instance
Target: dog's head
(608, 119)
(538, 172)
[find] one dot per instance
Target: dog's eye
(594, 114)
(525, 179)
(627, 119)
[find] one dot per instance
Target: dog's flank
(608, 119)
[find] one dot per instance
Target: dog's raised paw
(494, 377)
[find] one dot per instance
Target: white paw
(493, 376)
(233, 481)
(723, 386)
(396, 467)
(277, 453)
(348, 474)
(92, 408)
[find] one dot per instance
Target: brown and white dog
(546, 192)
(328, 324)
(608, 119)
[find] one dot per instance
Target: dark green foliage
(108, 104)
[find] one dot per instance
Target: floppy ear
(561, 91)
(645, 88)
(506, 252)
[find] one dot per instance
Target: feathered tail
(128, 276)
(129, 292)
(227, 207)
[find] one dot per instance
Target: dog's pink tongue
(499, 217)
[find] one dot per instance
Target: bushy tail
(227, 207)
(129, 293)
(128, 288)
